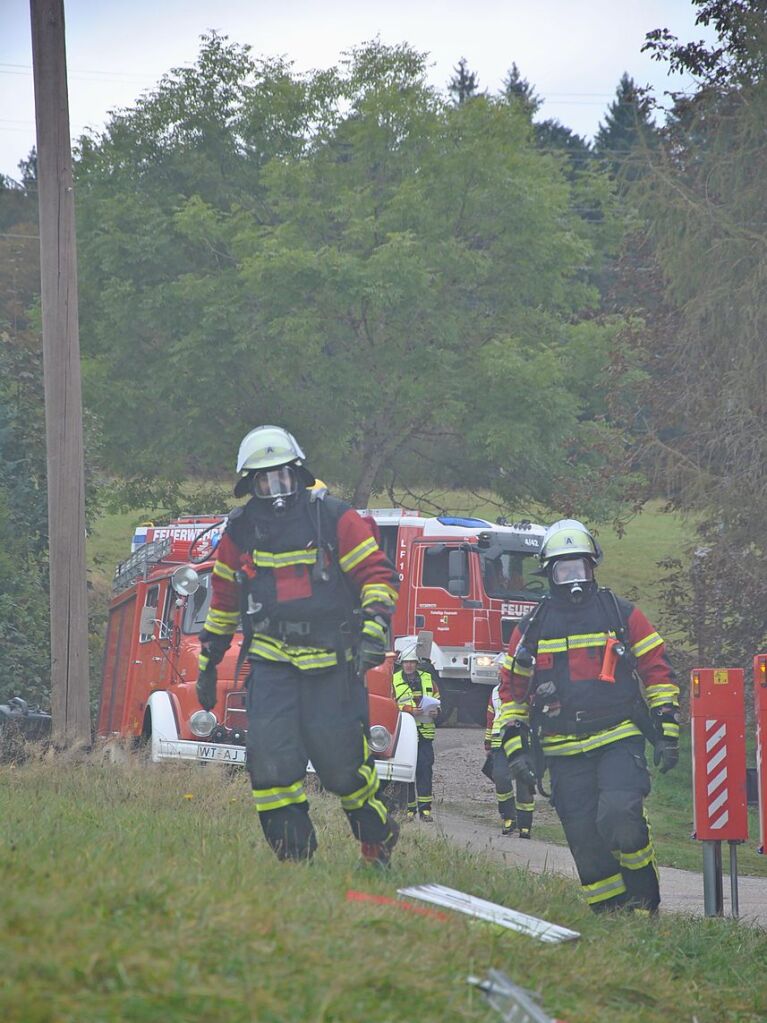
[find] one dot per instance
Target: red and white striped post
(718, 724)
(760, 713)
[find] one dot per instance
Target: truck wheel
(473, 710)
(447, 710)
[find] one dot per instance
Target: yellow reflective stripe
(670, 729)
(602, 890)
(512, 745)
(508, 662)
(377, 593)
(305, 658)
(202, 661)
(356, 800)
(525, 806)
(519, 670)
(662, 692)
(503, 796)
(552, 646)
(224, 571)
(222, 623)
(587, 640)
(568, 745)
(423, 799)
(637, 860)
(512, 712)
(357, 554)
(374, 629)
(267, 559)
(646, 644)
(273, 799)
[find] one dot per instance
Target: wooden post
(61, 368)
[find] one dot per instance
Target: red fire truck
(160, 598)
(467, 581)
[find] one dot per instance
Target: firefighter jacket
(297, 580)
(408, 691)
(493, 723)
(575, 711)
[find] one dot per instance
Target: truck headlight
(380, 738)
(202, 723)
(484, 661)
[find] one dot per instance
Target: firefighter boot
(378, 854)
(426, 816)
(508, 827)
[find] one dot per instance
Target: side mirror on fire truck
(185, 581)
(423, 644)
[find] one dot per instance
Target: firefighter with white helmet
(585, 681)
(411, 684)
(305, 575)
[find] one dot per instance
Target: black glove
(206, 687)
(370, 653)
(487, 767)
(666, 753)
(522, 768)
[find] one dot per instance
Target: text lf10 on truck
(158, 607)
(467, 581)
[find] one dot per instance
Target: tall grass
(135, 892)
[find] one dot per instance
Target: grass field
(146, 894)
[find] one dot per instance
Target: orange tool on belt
(614, 651)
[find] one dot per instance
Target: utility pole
(61, 371)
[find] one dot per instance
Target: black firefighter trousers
(294, 717)
(598, 796)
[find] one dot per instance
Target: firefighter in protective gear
(411, 684)
(514, 812)
(587, 677)
(314, 591)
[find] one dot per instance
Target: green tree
(627, 129)
(515, 87)
(464, 84)
(703, 411)
(363, 274)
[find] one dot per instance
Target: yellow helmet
(566, 537)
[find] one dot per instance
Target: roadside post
(718, 724)
(760, 711)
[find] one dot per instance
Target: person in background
(411, 684)
(514, 812)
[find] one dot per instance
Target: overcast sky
(572, 51)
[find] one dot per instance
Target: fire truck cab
(158, 607)
(467, 581)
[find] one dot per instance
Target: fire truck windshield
(510, 574)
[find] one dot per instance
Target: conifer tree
(464, 84)
(515, 87)
(627, 123)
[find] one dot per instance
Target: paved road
(681, 890)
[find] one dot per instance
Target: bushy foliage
(351, 255)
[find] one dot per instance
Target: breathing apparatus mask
(572, 577)
(277, 485)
